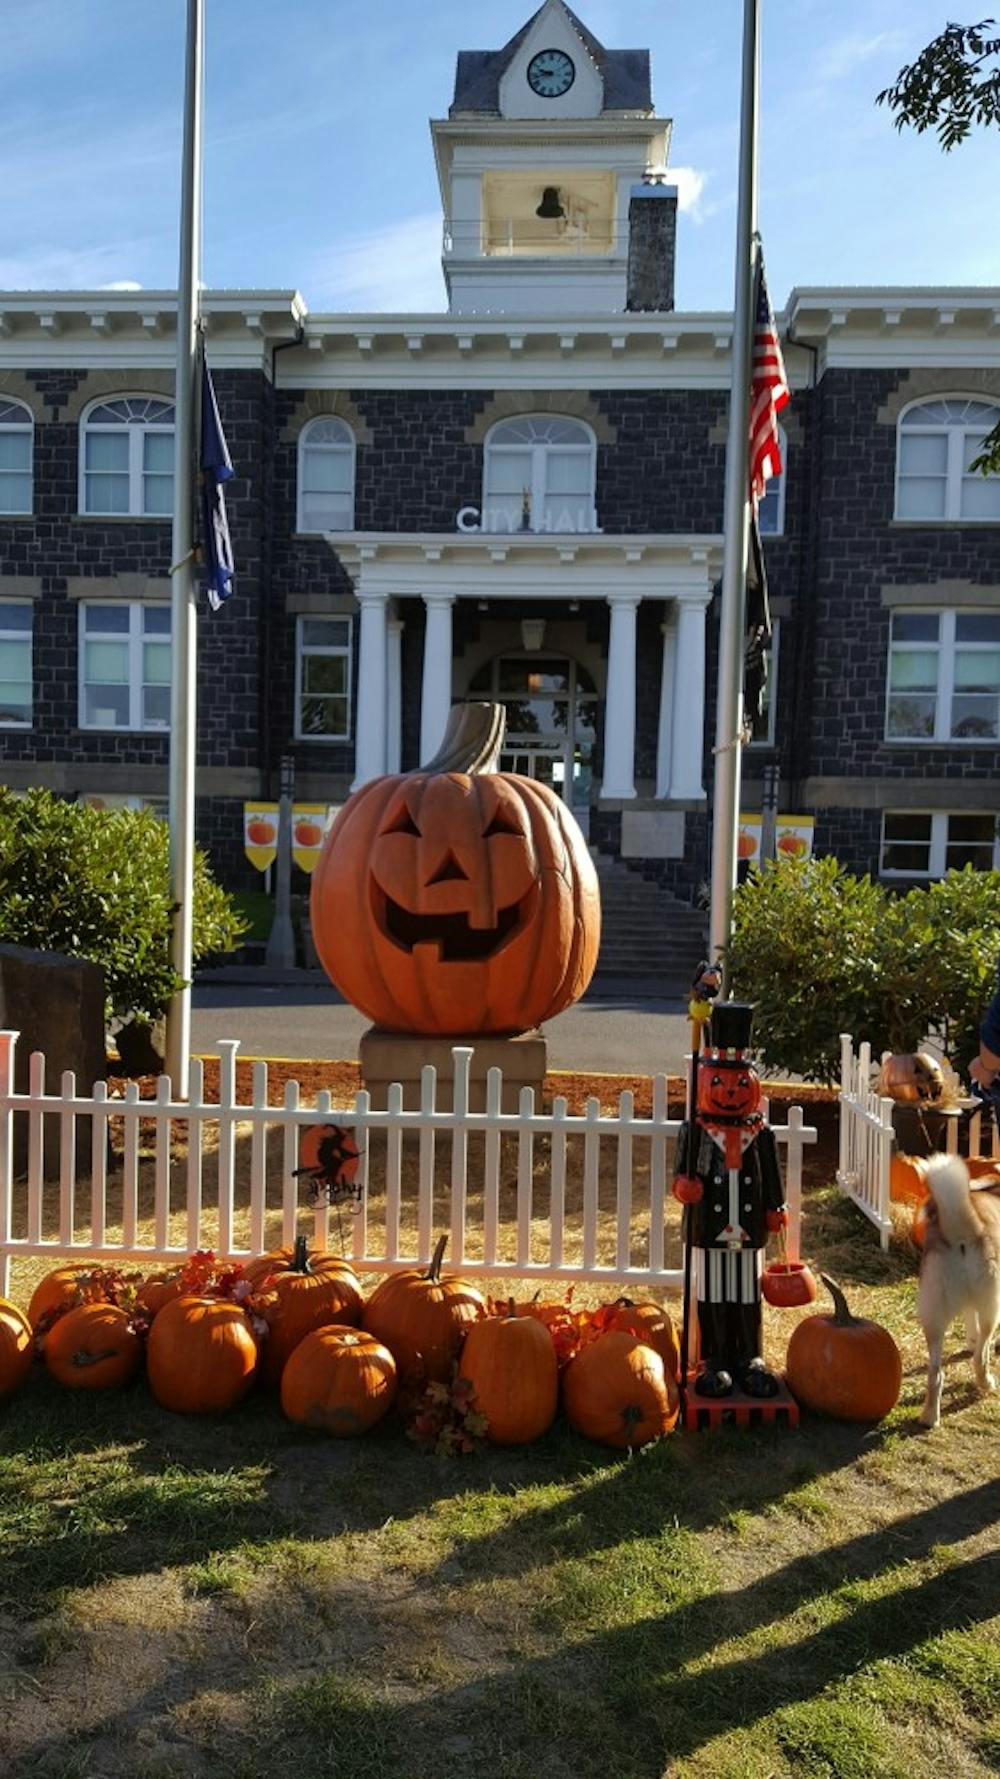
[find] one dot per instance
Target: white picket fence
(867, 1139)
(528, 1194)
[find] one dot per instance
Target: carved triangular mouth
(451, 934)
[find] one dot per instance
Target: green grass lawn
(236, 1598)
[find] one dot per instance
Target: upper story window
(323, 679)
(539, 475)
(326, 476)
(937, 441)
(124, 666)
(16, 440)
(771, 510)
(924, 843)
(944, 676)
(15, 664)
(127, 457)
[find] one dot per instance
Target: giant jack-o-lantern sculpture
(455, 899)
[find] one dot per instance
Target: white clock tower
(538, 161)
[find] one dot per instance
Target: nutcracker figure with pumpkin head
(730, 1180)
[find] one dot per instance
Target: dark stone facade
(417, 464)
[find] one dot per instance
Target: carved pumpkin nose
(448, 871)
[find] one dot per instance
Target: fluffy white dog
(959, 1271)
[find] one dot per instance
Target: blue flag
(216, 468)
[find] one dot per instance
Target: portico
(503, 572)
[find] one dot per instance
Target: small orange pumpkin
(201, 1355)
(907, 1181)
(66, 1286)
(619, 1392)
(510, 1362)
(339, 1380)
(844, 1365)
(93, 1347)
(423, 1319)
(159, 1289)
(17, 1347)
(651, 1324)
(310, 1291)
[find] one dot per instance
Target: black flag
(757, 636)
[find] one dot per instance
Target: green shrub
(823, 952)
(95, 883)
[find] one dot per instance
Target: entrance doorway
(551, 707)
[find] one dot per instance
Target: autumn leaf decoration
(444, 1419)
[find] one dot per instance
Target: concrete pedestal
(397, 1056)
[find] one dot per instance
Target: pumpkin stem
(433, 1272)
(511, 1311)
(472, 740)
(300, 1256)
(841, 1314)
(624, 1303)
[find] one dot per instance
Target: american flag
(768, 392)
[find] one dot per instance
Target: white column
(619, 708)
(664, 734)
(435, 701)
(394, 694)
(688, 726)
(369, 747)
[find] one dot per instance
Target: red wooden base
(738, 1410)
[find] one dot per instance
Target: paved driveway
(614, 1032)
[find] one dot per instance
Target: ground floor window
(158, 806)
(124, 666)
(15, 664)
(323, 679)
(925, 843)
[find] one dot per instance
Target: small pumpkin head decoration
(728, 1087)
(788, 1284)
(911, 1079)
(457, 899)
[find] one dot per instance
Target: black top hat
(730, 1025)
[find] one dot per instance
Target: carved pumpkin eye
(501, 823)
(402, 823)
(716, 1080)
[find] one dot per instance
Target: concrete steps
(646, 932)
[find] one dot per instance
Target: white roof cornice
(138, 327)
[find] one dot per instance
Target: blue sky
(319, 173)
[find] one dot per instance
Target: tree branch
(950, 87)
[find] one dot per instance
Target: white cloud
(395, 268)
(845, 54)
(46, 267)
(690, 184)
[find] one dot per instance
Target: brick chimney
(652, 237)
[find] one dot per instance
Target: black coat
(761, 1189)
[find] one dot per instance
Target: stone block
(652, 834)
(56, 1004)
(399, 1056)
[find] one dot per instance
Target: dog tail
(947, 1180)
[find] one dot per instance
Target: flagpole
(729, 700)
(183, 594)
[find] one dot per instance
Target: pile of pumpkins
(299, 1322)
(339, 1360)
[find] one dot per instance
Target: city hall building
(520, 498)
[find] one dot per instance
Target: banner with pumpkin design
(793, 836)
(310, 822)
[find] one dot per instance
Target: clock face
(551, 73)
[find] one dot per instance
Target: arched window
(16, 438)
(937, 441)
(538, 475)
(771, 510)
(127, 457)
(326, 476)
